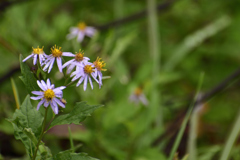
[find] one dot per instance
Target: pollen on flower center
(56, 52)
(37, 50)
(88, 69)
(138, 91)
(81, 26)
(99, 64)
(79, 56)
(49, 94)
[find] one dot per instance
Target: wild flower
(56, 54)
(79, 59)
(84, 72)
(80, 31)
(138, 96)
(98, 64)
(37, 53)
(49, 95)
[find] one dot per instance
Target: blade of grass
(231, 139)
(71, 139)
(154, 48)
(15, 93)
(196, 39)
(185, 120)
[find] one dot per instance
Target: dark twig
(217, 89)
(7, 75)
(131, 18)
(5, 4)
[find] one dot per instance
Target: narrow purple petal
(51, 64)
(80, 36)
(35, 59)
(40, 103)
(40, 85)
(90, 31)
(69, 54)
(85, 83)
(59, 102)
(44, 85)
(38, 93)
(48, 83)
(54, 108)
(59, 63)
(46, 103)
(90, 81)
(70, 68)
(28, 57)
(36, 98)
(80, 81)
(68, 63)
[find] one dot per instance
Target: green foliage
(80, 111)
(72, 156)
(27, 77)
(27, 122)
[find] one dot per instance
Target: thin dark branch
(136, 16)
(214, 91)
(9, 74)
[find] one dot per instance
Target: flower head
(80, 31)
(84, 72)
(138, 96)
(56, 54)
(49, 95)
(98, 64)
(79, 59)
(37, 53)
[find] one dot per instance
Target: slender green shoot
(71, 139)
(231, 139)
(185, 120)
(15, 93)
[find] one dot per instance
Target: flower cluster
(79, 69)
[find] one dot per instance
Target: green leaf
(27, 123)
(72, 156)
(77, 115)
(27, 77)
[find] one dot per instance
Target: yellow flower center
(37, 50)
(79, 56)
(138, 91)
(88, 69)
(56, 51)
(49, 94)
(99, 64)
(81, 26)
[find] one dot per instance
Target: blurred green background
(194, 37)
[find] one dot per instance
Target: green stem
(41, 135)
(70, 138)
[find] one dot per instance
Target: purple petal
(39, 93)
(46, 103)
(80, 36)
(36, 98)
(80, 81)
(48, 83)
(51, 64)
(40, 85)
(59, 102)
(28, 57)
(85, 83)
(40, 103)
(90, 81)
(90, 31)
(35, 59)
(44, 85)
(59, 63)
(69, 54)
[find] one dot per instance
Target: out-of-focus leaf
(72, 156)
(77, 115)
(27, 77)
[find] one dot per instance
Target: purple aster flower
(98, 64)
(56, 54)
(80, 31)
(79, 59)
(37, 53)
(138, 96)
(49, 95)
(84, 72)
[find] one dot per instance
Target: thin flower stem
(70, 139)
(69, 84)
(41, 135)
